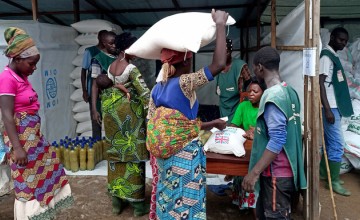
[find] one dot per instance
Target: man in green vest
(99, 65)
(86, 80)
(336, 102)
(276, 167)
(233, 80)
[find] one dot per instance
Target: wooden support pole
(76, 6)
(247, 41)
(306, 119)
(34, 6)
(258, 24)
(312, 109)
(315, 121)
(273, 23)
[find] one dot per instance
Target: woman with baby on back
(124, 99)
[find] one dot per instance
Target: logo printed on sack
(222, 138)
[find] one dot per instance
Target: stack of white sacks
(350, 60)
(88, 37)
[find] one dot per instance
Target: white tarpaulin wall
(51, 79)
(291, 32)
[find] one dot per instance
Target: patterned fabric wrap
(126, 180)
(181, 189)
(125, 129)
(169, 131)
(155, 179)
(125, 123)
(43, 176)
(17, 41)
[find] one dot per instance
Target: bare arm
(324, 101)
(217, 123)
(250, 179)
(7, 110)
(219, 57)
(83, 85)
(94, 96)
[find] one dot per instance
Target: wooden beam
(76, 6)
(28, 11)
(273, 23)
(100, 8)
(34, 6)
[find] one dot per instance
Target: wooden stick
(327, 168)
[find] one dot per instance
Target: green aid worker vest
(341, 90)
(287, 100)
(228, 90)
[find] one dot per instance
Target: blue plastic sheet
(3, 149)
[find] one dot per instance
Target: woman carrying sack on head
(41, 187)
(172, 126)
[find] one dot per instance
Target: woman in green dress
(125, 130)
(245, 117)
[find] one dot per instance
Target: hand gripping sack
(180, 32)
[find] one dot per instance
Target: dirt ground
(93, 202)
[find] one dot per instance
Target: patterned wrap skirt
(41, 187)
(125, 131)
(181, 189)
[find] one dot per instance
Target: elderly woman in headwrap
(172, 127)
(125, 131)
(41, 186)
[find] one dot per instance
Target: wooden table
(229, 164)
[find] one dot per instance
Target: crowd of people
(162, 126)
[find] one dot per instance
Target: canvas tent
(253, 23)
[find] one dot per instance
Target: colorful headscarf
(169, 58)
(19, 43)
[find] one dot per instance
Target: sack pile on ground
(88, 30)
(350, 59)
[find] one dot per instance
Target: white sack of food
(86, 134)
(78, 61)
(77, 95)
(192, 31)
(82, 49)
(228, 141)
(77, 83)
(93, 26)
(87, 39)
(82, 116)
(76, 73)
(346, 166)
(83, 127)
(81, 107)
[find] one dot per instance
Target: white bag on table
(228, 141)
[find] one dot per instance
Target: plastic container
(67, 157)
(106, 145)
(61, 149)
(90, 158)
(74, 162)
(82, 157)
